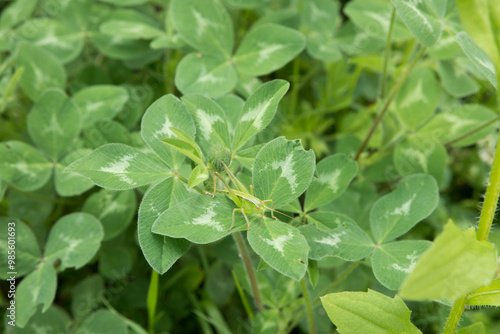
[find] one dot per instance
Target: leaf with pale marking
(23, 167)
(455, 265)
(206, 28)
(197, 176)
(418, 98)
(54, 320)
(393, 262)
(100, 102)
(74, 239)
(478, 57)
(336, 235)
(420, 154)
(334, 175)
(114, 209)
(455, 79)
(281, 246)
(200, 219)
(232, 106)
(266, 48)
(40, 72)
(421, 19)
(394, 214)
(258, 111)
(62, 40)
(210, 120)
(131, 24)
(161, 252)
(208, 74)
(166, 112)
(54, 122)
(120, 167)
(27, 251)
(102, 322)
(16, 12)
(247, 156)
(486, 295)
(37, 288)
(454, 123)
(282, 171)
(70, 183)
(368, 312)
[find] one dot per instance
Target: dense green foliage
(249, 166)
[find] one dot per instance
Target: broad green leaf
(334, 175)
(453, 124)
(126, 3)
(247, 156)
(281, 246)
(455, 265)
(100, 102)
(40, 72)
(486, 295)
(200, 219)
(282, 171)
(258, 111)
(477, 328)
(161, 252)
(105, 132)
(39, 287)
(373, 18)
(167, 42)
(455, 79)
(368, 312)
(208, 74)
(394, 214)
(103, 322)
(115, 261)
(16, 12)
(353, 40)
(74, 239)
(420, 154)
(197, 176)
(418, 98)
(266, 48)
(62, 40)
(479, 22)
(232, 106)
(53, 123)
(70, 183)
(131, 24)
(84, 295)
(33, 207)
(393, 261)
(3, 187)
(54, 320)
(446, 48)
(114, 209)
(247, 4)
(336, 235)
(324, 48)
(478, 57)
(119, 167)
(17, 237)
(166, 112)
(421, 19)
(205, 27)
(22, 166)
(210, 120)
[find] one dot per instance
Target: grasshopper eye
(257, 207)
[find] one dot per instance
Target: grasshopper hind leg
(244, 215)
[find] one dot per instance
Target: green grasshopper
(246, 201)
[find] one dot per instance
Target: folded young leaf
(414, 198)
(74, 239)
(120, 167)
(456, 264)
(281, 246)
(368, 312)
(161, 252)
(334, 175)
(197, 176)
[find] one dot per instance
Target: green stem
(308, 304)
(473, 131)
(390, 97)
(243, 297)
(247, 262)
(387, 54)
(152, 301)
(454, 316)
(295, 86)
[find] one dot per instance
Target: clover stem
(455, 315)
(308, 304)
(247, 262)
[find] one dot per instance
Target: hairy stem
(390, 97)
(308, 304)
(454, 317)
(247, 262)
